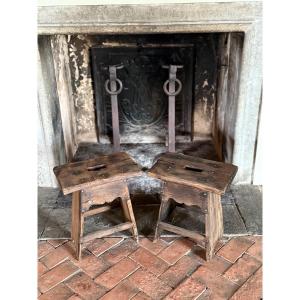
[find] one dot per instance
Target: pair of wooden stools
(187, 180)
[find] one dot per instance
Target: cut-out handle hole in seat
(194, 169)
(96, 167)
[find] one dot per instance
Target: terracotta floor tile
(242, 269)
(60, 292)
(115, 254)
(120, 269)
(117, 273)
(58, 255)
(74, 297)
(218, 264)
(41, 269)
(215, 281)
(150, 284)
(98, 246)
(85, 287)
(190, 289)
(154, 248)
(209, 295)
(56, 243)
(43, 248)
(56, 275)
(252, 288)
(149, 261)
(123, 291)
(141, 296)
(179, 271)
(91, 264)
(256, 249)
(176, 250)
(235, 248)
(113, 240)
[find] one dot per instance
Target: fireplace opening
(205, 110)
(206, 107)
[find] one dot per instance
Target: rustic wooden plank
(129, 216)
(213, 223)
(105, 193)
(105, 232)
(209, 165)
(96, 211)
(128, 213)
(77, 223)
(165, 208)
(100, 170)
(186, 195)
(193, 171)
(182, 231)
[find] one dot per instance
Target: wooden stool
(193, 181)
(94, 182)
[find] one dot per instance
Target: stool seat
(193, 171)
(102, 169)
(194, 181)
(93, 183)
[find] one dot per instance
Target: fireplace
(143, 105)
(217, 110)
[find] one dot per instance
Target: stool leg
(164, 209)
(77, 222)
(129, 215)
(213, 223)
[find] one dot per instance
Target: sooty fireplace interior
(143, 105)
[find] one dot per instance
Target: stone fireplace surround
(56, 105)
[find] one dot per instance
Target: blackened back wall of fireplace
(195, 106)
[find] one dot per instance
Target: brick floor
(149, 261)
(176, 250)
(117, 273)
(85, 287)
(235, 248)
(119, 269)
(190, 289)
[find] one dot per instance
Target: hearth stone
(146, 209)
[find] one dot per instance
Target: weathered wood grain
(193, 171)
(96, 211)
(193, 181)
(213, 223)
(77, 223)
(105, 193)
(183, 232)
(94, 172)
(105, 232)
(95, 182)
(166, 206)
(129, 215)
(186, 195)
